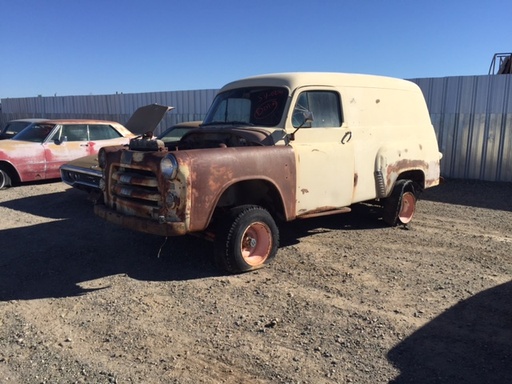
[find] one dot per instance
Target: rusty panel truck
(277, 147)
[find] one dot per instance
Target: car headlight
(102, 158)
(169, 166)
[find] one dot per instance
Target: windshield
(15, 126)
(35, 133)
(248, 106)
(173, 134)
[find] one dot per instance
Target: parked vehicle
(84, 173)
(15, 126)
(278, 147)
(38, 151)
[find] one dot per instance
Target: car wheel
(5, 179)
(400, 206)
(246, 239)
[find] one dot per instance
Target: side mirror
(308, 119)
(60, 141)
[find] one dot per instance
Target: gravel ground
(347, 299)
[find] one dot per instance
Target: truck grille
(135, 192)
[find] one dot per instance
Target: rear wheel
(5, 179)
(400, 206)
(247, 239)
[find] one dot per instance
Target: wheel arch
(417, 176)
(260, 192)
(11, 171)
(385, 184)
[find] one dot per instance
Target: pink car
(37, 152)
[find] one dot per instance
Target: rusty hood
(147, 118)
(87, 162)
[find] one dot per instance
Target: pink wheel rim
(407, 207)
(256, 244)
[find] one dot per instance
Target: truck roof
(292, 80)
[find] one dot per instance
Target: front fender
(210, 172)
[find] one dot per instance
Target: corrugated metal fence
(189, 105)
(472, 116)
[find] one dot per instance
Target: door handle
(346, 137)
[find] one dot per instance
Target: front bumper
(81, 178)
(140, 224)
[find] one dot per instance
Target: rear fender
(392, 164)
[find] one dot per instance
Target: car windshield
(35, 133)
(173, 134)
(260, 106)
(16, 126)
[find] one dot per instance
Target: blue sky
(79, 47)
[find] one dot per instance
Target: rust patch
(395, 169)
(203, 176)
(209, 179)
(139, 224)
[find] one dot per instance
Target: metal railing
(501, 64)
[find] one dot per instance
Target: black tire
(400, 206)
(5, 179)
(246, 239)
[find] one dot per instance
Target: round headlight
(102, 158)
(169, 166)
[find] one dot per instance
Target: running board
(324, 213)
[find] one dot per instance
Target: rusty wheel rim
(407, 207)
(256, 244)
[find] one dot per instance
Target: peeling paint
(42, 160)
(200, 182)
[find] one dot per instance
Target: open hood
(147, 118)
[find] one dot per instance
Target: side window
(326, 108)
(102, 132)
(75, 132)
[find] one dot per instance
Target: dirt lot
(347, 300)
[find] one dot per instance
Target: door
(324, 152)
(69, 142)
(102, 135)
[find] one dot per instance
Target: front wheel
(400, 206)
(5, 179)
(247, 239)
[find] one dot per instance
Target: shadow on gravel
(53, 258)
(57, 205)
(362, 217)
(469, 343)
(478, 194)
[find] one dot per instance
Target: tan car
(38, 151)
